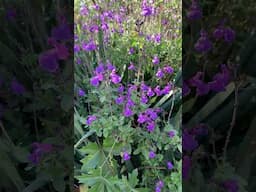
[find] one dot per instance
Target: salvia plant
(127, 95)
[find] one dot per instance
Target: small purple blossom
(171, 134)
(229, 34)
(160, 74)
(115, 78)
(81, 92)
(151, 155)
(90, 46)
(142, 118)
(127, 112)
(189, 142)
(169, 165)
(131, 66)
(155, 60)
(168, 70)
(150, 92)
(126, 156)
(119, 100)
(147, 11)
(91, 119)
(203, 44)
(151, 126)
(194, 12)
(131, 51)
(95, 81)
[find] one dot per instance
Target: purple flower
(147, 11)
(151, 155)
(166, 90)
(229, 34)
(95, 81)
(100, 68)
(186, 165)
(84, 11)
(151, 126)
(157, 38)
(194, 12)
(151, 113)
(218, 33)
(77, 48)
(202, 87)
(62, 32)
(90, 46)
(157, 90)
(119, 100)
(155, 60)
(17, 88)
(150, 92)
(169, 165)
(220, 80)
(142, 118)
(110, 67)
(131, 51)
(143, 99)
(168, 70)
(131, 66)
(203, 44)
(159, 73)
(48, 61)
(231, 186)
(159, 186)
(94, 29)
(171, 134)
(81, 92)
(127, 112)
(115, 78)
(189, 142)
(120, 89)
(126, 156)
(91, 119)
(38, 150)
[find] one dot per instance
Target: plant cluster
(127, 105)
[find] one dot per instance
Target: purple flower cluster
(194, 12)
(225, 33)
(218, 83)
(159, 186)
(203, 44)
(91, 119)
(162, 72)
(147, 9)
(148, 118)
(38, 150)
(105, 72)
(49, 59)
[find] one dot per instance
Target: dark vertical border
(36, 100)
(219, 95)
